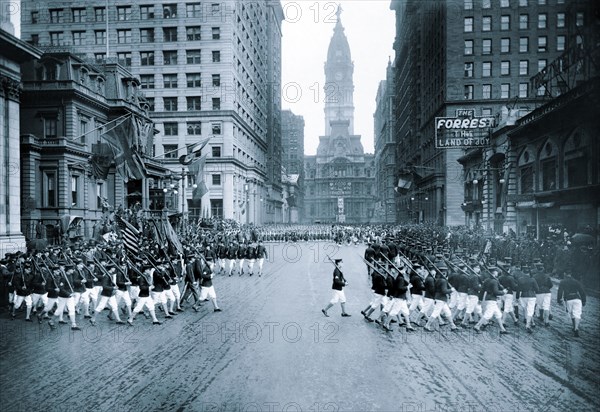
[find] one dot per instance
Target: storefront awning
(534, 205)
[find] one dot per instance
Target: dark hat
(508, 259)
(338, 260)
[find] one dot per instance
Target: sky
(307, 29)
(370, 28)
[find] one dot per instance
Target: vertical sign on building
(341, 215)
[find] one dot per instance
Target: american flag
(130, 235)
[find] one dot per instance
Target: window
(56, 38)
(78, 15)
(468, 91)
(194, 128)
(505, 22)
(523, 67)
(486, 4)
(523, 44)
(576, 160)
(100, 37)
(124, 36)
(170, 104)
(170, 81)
(99, 13)
(523, 3)
(542, 63)
(100, 57)
(74, 190)
(486, 111)
(468, 47)
(171, 129)
(216, 151)
(123, 13)
(193, 10)
(523, 88)
(78, 38)
(147, 81)
(49, 189)
(486, 91)
(504, 3)
(170, 58)
(486, 23)
(147, 35)
(542, 20)
(170, 151)
(523, 21)
(468, 69)
(35, 16)
(194, 80)
(215, 8)
(486, 46)
(50, 128)
(193, 33)
(542, 2)
(216, 103)
(505, 45)
(35, 39)
(56, 16)
(169, 11)
(216, 127)
(216, 180)
(505, 91)
(194, 103)
(193, 56)
(486, 69)
(542, 43)
(560, 20)
(216, 33)
(526, 179)
(468, 4)
(170, 34)
(579, 19)
(216, 56)
(147, 58)
(548, 174)
(560, 43)
(216, 208)
(146, 12)
(216, 80)
(505, 68)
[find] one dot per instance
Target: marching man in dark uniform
(492, 291)
(338, 289)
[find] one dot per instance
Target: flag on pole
(131, 235)
(123, 139)
(194, 151)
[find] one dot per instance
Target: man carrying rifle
(22, 282)
(429, 296)
(418, 288)
(378, 287)
(473, 305)
(66, 296)
(571, 291)
(144, 300)
(338, 289)
(492, 291)
(440, 308)
(107, 296)
(399, 304)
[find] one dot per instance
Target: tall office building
(461, 60)
(385, 149)
(339, 179)
(209, 69)
(292, 139)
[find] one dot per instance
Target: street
(272, 349)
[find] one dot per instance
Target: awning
(576, 207)
(534, 205)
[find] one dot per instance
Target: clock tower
(339, 87)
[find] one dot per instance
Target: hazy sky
(370, 28)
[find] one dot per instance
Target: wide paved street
(272, 349)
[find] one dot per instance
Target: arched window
(577, 160)
(548, 166)
(526, 171)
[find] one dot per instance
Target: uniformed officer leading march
(338, 293)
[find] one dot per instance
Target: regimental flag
(131, 235)
(194, 151)
(172, 236)
(101, 160)
(197, 168)
(124, 140)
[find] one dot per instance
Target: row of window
(505, 24)
(170, 58)
(170, 80)
(505, 91)
(487, 4)
(170, 104)
(505, 47)
(505, 68)
(125, 13)
(170, 151)
(193, 128)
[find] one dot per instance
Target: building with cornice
(209, 70)
(339, 179)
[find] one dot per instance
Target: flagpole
(107, 33)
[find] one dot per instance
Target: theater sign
(465, 130)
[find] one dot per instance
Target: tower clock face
(339, 76)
